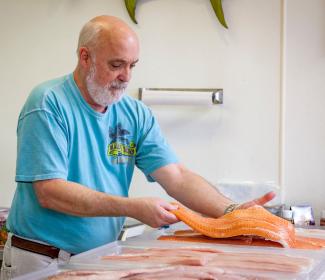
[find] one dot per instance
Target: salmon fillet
(256, 261)
(313, 240)
(189, 235)
(300, 242)
(245, 240)
(252, 221)
(170, 272)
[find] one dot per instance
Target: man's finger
(259, 201)
(169, 218)
(265, 198)
(168, 206)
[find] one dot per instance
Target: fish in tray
(254, 223)
(301, 242)
(252, 226)
(209, 257)
(170, 272)
(195, 263)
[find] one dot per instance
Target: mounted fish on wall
(216, 5)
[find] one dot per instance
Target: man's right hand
(152, 211)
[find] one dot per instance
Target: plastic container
(287, 215)
(303, 215)
(92, 259)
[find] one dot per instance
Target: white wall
(238, 140)
(304, 118)
(183, 45)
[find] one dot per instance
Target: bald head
(108, 50)
(105, 29)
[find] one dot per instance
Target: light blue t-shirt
(61, 136)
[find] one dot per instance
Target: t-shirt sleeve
(42, 147)
(153, 151)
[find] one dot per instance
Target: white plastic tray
(92, 259)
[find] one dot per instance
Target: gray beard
(104, 95)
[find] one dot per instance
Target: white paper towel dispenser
(181, 96)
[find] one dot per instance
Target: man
(79, 139)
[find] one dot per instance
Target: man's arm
(75, 199)
(196, 193)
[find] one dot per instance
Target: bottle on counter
(322, 218)
(303, 215)
(288, 215)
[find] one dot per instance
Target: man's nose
(125, 75)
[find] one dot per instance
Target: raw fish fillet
(171, 272)
(238, 240)
(252, 221)
(301, 242)
(205, 263)
(255, 261)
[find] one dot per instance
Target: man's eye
(132, 65)
(116, 65)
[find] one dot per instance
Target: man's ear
(84, 56)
